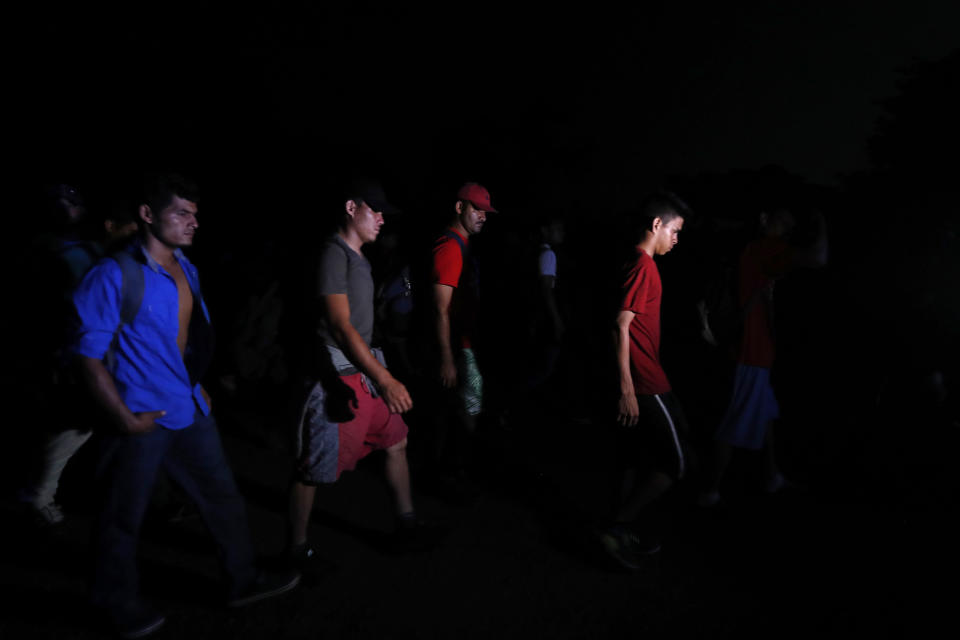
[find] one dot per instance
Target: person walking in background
(753, 408)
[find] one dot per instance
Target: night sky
(526, 101)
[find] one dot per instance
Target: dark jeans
(128, 466)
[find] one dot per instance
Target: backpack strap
(456, 236)
(131, 288)
(131, 297)
(468, 258)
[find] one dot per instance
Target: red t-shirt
(641, 295)
(447, 269)
(761, 262)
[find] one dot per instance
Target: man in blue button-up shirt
(160, 413)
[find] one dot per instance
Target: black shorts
(657, 440)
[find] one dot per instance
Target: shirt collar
(153, 264)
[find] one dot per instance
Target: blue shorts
(752, 407)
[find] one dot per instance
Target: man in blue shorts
(748, 421)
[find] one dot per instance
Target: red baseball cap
(477, 195)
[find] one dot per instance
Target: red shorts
(373, 426)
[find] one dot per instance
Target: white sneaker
(50, 513)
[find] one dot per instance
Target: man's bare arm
(104, 390)
(628, 411)
(337, 310)
(443, 296)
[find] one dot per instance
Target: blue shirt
(149, 373)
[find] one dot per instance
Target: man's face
(667, 234)
(366, 221)
(471, 218)
(176, 225)
(555, 233)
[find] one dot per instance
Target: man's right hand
(143, 422)
(448, 374)
(396, 396)
(629, 411)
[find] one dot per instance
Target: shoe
(308, 561)
(135, 621)
(299, 556)
(708, 499)
(266, 585)
(627, 547)
(415, 535)
(778, 483)
(49, 514)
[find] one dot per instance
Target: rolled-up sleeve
(96, 302)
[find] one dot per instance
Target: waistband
(346, 368)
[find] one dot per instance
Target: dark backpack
(131, 296)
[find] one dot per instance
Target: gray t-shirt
(343, 270)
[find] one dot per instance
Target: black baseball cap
(371, 192)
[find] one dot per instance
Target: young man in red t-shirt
(651, 418)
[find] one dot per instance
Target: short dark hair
(665, 205)
(121, 211)
(159, 190)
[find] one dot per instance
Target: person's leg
(57, 451)
(398, 477)
(299, 508)
(654, 485)
(722, 454)
(317, 450)
(653, 445)
(126, 473)
(737, 429)
(773, 479)
(470, 389)
(197, 463)
(657, 437)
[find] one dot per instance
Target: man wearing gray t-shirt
(326, 446)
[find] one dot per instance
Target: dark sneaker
(267, 585)
(414, 536)
(628, 548)
(709, 499)
(299, 557)
(135, 621)
(778, 484)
